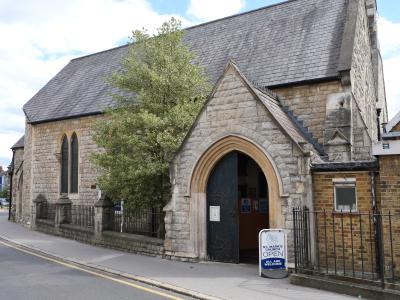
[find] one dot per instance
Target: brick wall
(338, 234)
(390, 201)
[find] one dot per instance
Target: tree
(162, 88)
(5, 193)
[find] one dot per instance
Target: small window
(345, 197)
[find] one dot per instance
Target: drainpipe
(10, 173)
(378, 114)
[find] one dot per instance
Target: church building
(297, 107)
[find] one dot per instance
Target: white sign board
(273, 253)
(215, 214)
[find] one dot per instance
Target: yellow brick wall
(390, 202)
(344, 238)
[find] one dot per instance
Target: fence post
(103, 216)
(63, 210)
(36, 207)
(295, 240)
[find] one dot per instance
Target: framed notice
(215, 214)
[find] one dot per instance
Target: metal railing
(82, 215)
(46, 211)
(148, 222)
(358, 245)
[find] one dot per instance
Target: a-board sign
(273, 253)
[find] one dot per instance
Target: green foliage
(162, 90)
(5, 193)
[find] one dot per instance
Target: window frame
(64, 168)
(74, 137)
(345, 184)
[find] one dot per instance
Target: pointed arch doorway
(230, 154)
(237, 188)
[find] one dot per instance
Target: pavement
(205, 280)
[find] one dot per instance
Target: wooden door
(222, 192)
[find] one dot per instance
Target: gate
(353, 245)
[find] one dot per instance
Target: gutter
(347, 166)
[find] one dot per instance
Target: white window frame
(348, 183)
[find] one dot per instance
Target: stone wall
(361, 74)
(17, 184)
(108, 239)
(361, 140)
(27, 182)
(308, 103)
(233, 110)
(42, 161)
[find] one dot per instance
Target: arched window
(74, 163)
(64, 165)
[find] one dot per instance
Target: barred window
(64, 165)
(74, 163)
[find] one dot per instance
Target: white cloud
(389, 38)
(206, 10)
(39, 37)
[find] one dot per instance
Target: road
(24, 275)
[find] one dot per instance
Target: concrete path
(225, 281)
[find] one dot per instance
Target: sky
(39, 37)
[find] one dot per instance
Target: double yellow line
(71, 266)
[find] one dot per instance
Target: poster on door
(245, 206)
(273, 253)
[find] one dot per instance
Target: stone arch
(202, 171)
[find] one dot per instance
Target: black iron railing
(82, 215)
(148, 222)
(46, 211)
(359, 245)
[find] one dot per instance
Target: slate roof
(19, 144)
(294, 41)
(393, 122)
